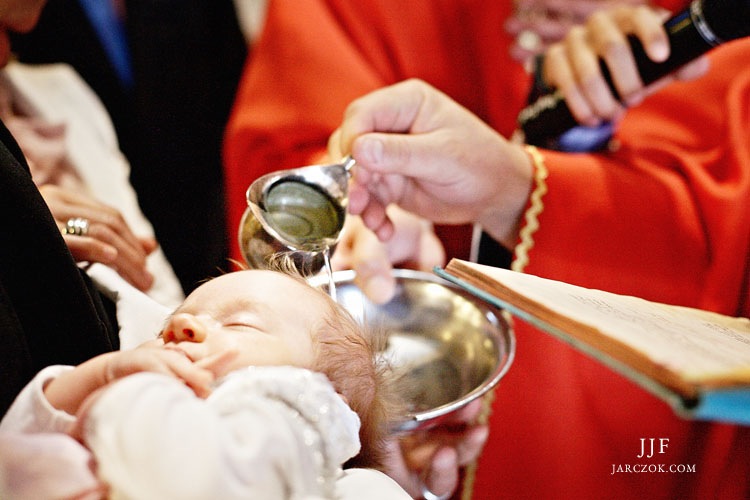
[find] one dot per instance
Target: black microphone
(704, 25)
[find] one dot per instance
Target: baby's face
(265, 316)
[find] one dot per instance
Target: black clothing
(187, 57)
(50, 312)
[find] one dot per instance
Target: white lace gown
(264, 433)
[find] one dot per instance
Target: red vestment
(315, 56)
(664, 217)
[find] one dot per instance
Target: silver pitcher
(299, 211)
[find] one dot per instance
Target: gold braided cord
(521, 252)
(536, 207)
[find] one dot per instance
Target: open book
(697, 361)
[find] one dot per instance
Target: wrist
(502, 219)
(69, 390)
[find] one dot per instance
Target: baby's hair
(347, 353)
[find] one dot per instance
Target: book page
(698, 345)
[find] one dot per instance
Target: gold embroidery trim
(521, 252)
(536, 207)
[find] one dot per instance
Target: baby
(259, 386)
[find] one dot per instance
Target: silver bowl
(447, 347)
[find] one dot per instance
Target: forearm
(70, 389)
(31, 412)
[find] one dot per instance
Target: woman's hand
(108, 240)
(47, 465)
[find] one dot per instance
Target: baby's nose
(184, 328)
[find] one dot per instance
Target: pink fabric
(50, 466)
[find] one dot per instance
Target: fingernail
(659, 51)
(634, 99)
(372, 150)
(480, 435)
(444, 460)
(109, 253)
(379, 289)
(145, 281)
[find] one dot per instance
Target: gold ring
(77, 226)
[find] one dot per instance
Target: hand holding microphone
(634, 44)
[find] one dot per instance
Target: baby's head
(273, 318)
